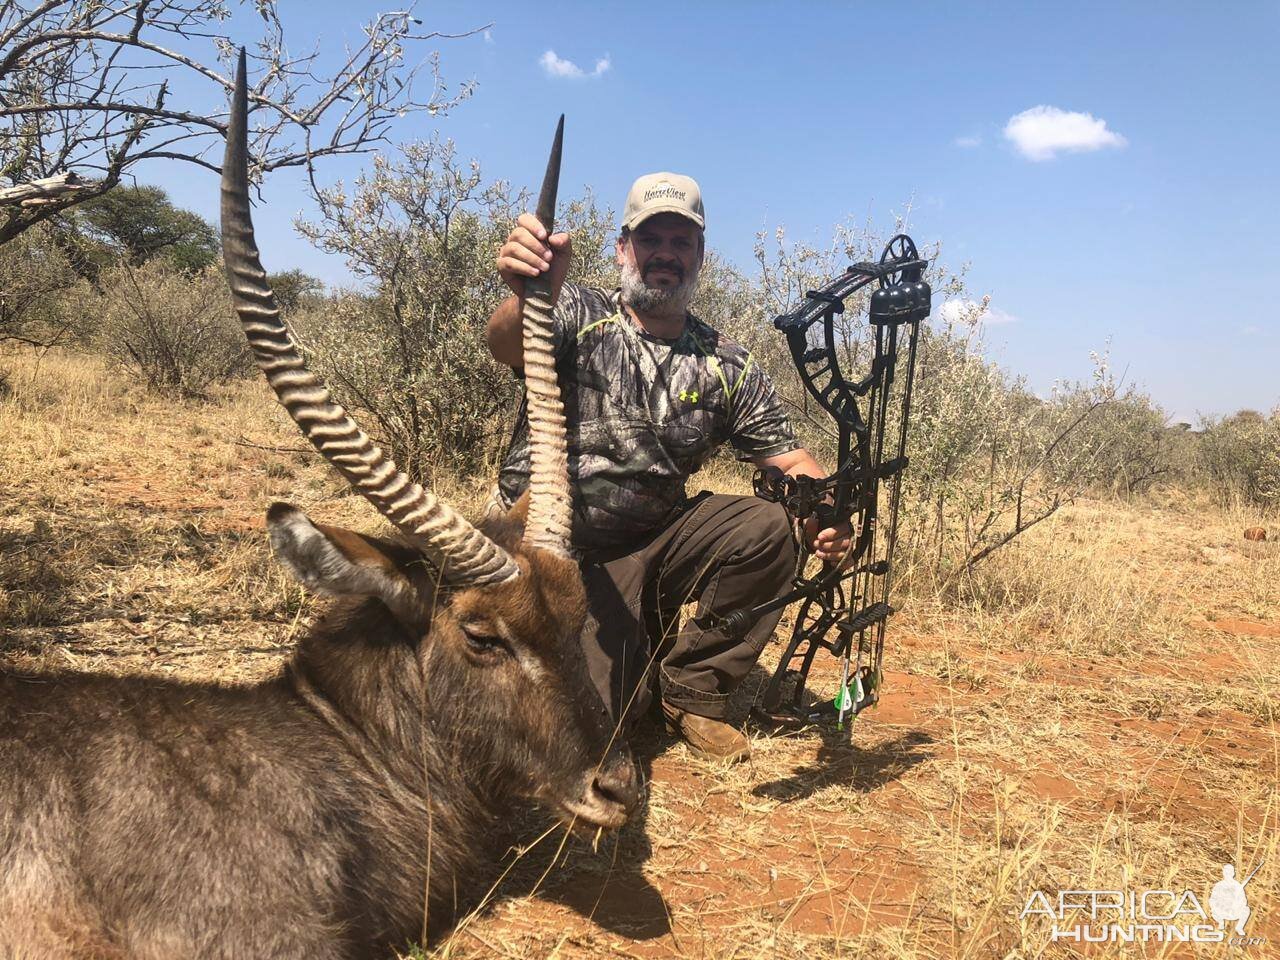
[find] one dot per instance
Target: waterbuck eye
(481, 641)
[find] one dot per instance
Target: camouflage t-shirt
(644, 413)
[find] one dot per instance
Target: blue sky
(1140, 209)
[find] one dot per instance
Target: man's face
(664, 250)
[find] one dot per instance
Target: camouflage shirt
(644, 413)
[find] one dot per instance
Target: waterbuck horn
(550, 504)
(462, 553)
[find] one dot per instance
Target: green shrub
(34, 273)
(1239, 458)
(174, 331)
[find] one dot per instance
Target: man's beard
(657, 301)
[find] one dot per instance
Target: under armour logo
(689, 396)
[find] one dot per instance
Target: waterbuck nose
(606, 796)
(618, 782)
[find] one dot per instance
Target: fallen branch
(46, 190)
(242, 442)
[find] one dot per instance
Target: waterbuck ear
(342, 563)
(505, 526)
(518, 515)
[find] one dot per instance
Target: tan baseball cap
(663, 193)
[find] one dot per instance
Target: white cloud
(972, 312)
(488, 36)
(558, 67)
(1042, 132)
(968, 143)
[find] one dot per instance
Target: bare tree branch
(1019, 528)
(83, 85)
(133, 109)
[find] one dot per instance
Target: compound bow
(852, 597)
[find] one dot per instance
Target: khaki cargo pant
(724, 552)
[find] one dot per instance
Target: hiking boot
(712, 739)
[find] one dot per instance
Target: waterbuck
(332, 811)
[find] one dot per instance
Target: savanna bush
(1238, 458)
(173, 330)
(34, 273)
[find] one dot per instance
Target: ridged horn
(550, 503)
(462, 553)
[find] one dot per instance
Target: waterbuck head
(458, 650)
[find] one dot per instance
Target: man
(650, 393)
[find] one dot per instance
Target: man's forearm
(504, 333)
(805, 466)
(795, 463)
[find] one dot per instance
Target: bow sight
(851, 598)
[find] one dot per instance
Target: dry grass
(1100, 713)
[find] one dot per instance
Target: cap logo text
(666, 192)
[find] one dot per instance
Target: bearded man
(650, 393)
